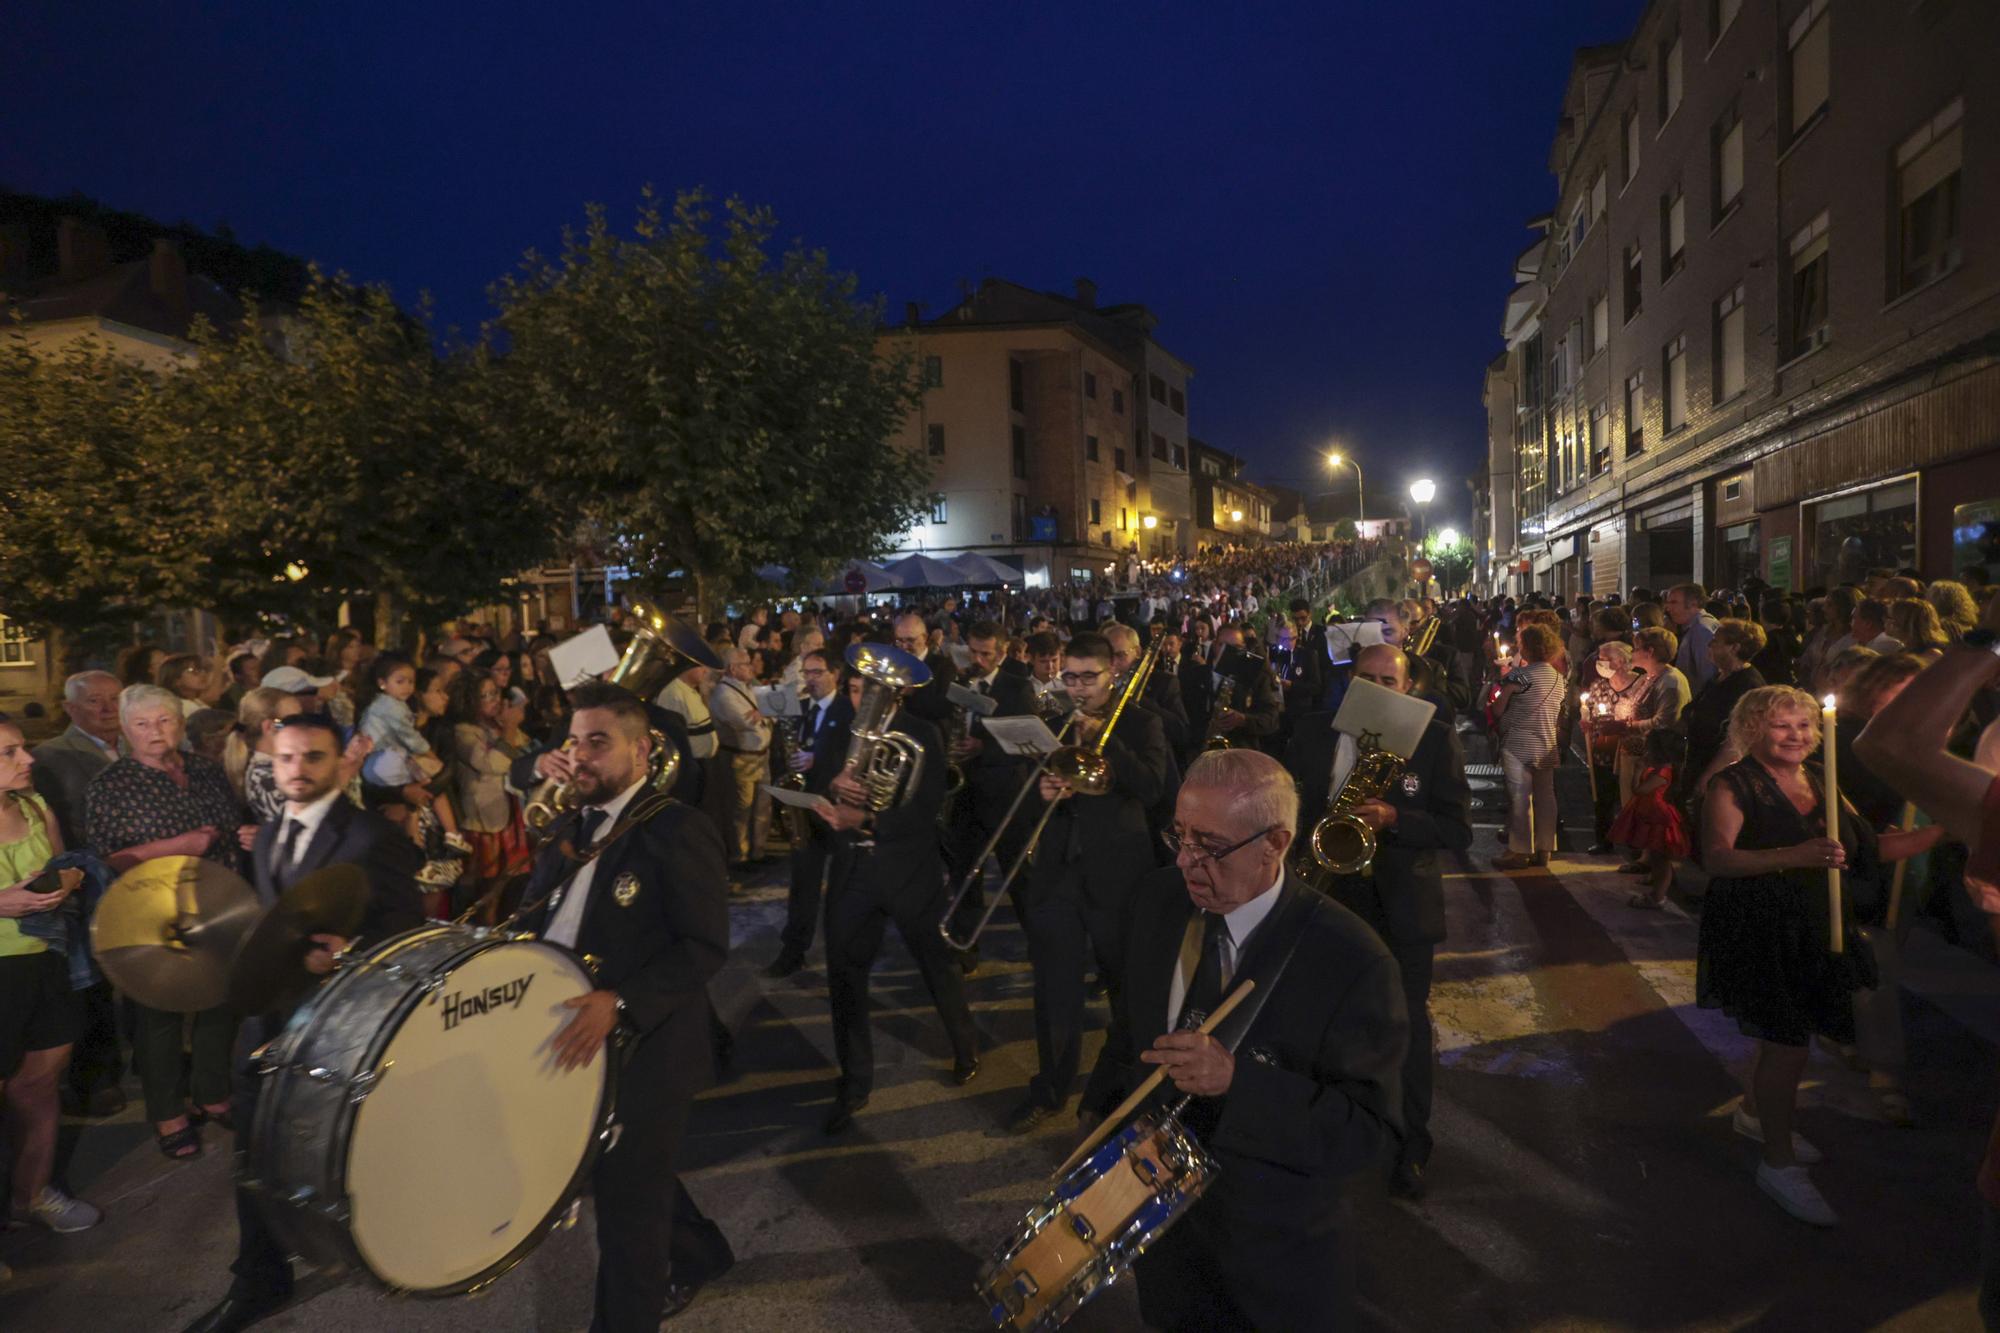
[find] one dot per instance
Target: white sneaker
(1795, 1193)
(1751, 1128)
(62, 1214)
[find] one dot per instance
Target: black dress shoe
(238, 1312)
(785, 964)
(1026, 1117)
(1407, 1181)
(679, 1298)
(965, 1071)
(842, 1116)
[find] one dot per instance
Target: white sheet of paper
(1396, 721)
(961, 655)
(583, 658)
(1022, 735)
(805, 800)
(1344, 640)
(980, 704)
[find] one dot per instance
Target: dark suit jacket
(350, 835)
(1405, 894)
(1163, 692)
(1305, 674)
(1316, 1096)
(907, 857)
(1106, 840)
(659, 949)
(1197, 694)
(64, 766)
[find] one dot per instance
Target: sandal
(1646, 902)
(183, 1145)
(201, 1115)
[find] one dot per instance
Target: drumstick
(1145, 1090)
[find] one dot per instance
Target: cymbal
(166, 930)
(269, 969)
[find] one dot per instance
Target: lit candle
(1830, 802)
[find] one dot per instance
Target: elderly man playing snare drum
(1297, 1092)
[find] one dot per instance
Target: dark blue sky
(1321, 206)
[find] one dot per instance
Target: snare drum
(411, 1121)
(1099, 1218)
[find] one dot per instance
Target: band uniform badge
(624, 889)
(1411, 782)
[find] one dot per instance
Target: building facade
(1759, 335)
(1056, 431)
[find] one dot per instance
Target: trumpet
(663, 646)
(887, 764)
(1342, 843)
(1083, 767)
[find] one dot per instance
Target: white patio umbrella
(923, 571)
(980, 570)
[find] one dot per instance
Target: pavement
(1585, 1175)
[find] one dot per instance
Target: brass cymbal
(166, 930)
(269, 969)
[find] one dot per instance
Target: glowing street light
(1421, 490)
(1448, 537)
(1149, 521)
(1236, 516)
(1334, 459)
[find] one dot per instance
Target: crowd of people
(1694, 716)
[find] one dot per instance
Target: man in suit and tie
(822, 746)
(1425, 812)
(1304, 681)
(888, 866)
(1253, 712)
(638, 882)
(992, 779)
(1295, 1094)
(320, 828)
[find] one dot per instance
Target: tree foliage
(705, 406)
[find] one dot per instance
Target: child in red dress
(1650, 824)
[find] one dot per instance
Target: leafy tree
(705, 406)
(1344, 530)
(1451, 562)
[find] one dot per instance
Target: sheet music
(981, 704)
(1022, 735)
(777, 702)
(583, 658)
(1394, 721)
(804, 800)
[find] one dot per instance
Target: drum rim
(340, 1138)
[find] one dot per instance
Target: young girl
(387, 721)
(1650, 824)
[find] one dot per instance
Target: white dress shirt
(1240, 924)
(569, 913)
(309, 820)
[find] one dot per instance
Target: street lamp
(1335, 459)
(1236, 516)
(1448, 537)
(1149, 521)
(1421, 491)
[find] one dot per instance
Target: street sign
(855, 582)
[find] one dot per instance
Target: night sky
(1320, 206)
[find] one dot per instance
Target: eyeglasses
(1080, 677)
(813, 671)
(1176, 842)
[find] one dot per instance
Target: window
(1096, 511)
(1159, 446)
(933, 372)
(1015, 395)
(1855, 532)
(1159, 388)
(1729, 345)
(16, 648)
(1630, 133)
(1600, 323)
(1927, 199)
(1089, 385)
(1808, 64)
(938, 509)
(1579, 226)
(1123, 524)
(1090, 448)
(1721, 13)
(1634, 281)
(1020, 453)
(1599, 194)
(1118, 460)
(1600, 439)
(1559, 368)
(1673, 233)
(1118, 400)
(1023, 529)
(1132, 491)
(1728, 156)
(1674, 401)
(1178, 401)
(1670, 78)
(1180, 458)
(934, 441)
(1635, 414)
(1808, 328)
(1573, 369)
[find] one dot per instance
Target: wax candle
(1830, 802)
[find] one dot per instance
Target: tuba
(887, 764)
(663, 647)
(1341, 843)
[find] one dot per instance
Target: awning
(981, 570)
(923, 571)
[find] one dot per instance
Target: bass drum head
(471, 1137)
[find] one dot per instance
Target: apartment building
(1229, 509)
(1056, 430)
(1759, 332)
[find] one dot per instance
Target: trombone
(1083, 767)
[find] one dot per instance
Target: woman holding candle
(1610, 702)
(1765, 955)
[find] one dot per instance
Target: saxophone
(1225, 698)
(785, 739)
(1341, 843)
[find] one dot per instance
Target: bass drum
(411, 1121)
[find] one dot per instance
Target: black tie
(986, 686)
(1211, 976)
(288, 852)
(586, 832)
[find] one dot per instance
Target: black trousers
(1067, 927)
(1604, 798)
(802, 904)
(263, 1268)
(1217, 1273)
(650, 1233)
(858, 912)
(1415, 961)
(97, 1059)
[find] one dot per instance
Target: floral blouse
(131, 803)
(260, 789)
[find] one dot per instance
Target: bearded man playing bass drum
(1296, 1093)
(652, 906)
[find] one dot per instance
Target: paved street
(1585, 1174)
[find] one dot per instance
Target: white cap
(294, 681)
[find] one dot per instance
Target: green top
(18, 860)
